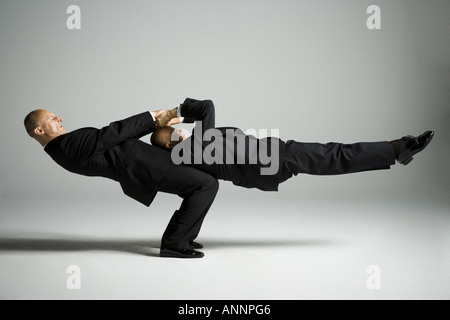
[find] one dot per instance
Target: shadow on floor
(147, 247)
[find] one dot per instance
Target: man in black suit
(229, 154)
(115, 152)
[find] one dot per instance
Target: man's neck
(45, 140)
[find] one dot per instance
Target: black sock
(399, 146)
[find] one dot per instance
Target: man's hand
(163, 118)
(174, 121)
(158, 112)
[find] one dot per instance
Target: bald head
(167, 137)
(43, 125)
(162, 137)
(33, 120)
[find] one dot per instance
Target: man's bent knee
(212, 183)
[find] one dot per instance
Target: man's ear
(39, 131)
(169, 145)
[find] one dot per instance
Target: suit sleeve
(117, 132)
(199, 110)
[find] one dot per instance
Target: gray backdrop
(311, 69)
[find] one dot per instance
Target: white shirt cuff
(179, 114)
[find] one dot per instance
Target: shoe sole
(172, 254)
(406, 161)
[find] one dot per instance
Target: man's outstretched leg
(337, 158)
(198, 190)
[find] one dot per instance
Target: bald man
(115, 152)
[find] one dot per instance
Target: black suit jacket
(115, 152)
(246, 175)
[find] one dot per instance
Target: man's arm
(117, 132)
(133, 127)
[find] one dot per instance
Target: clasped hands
(166, 117)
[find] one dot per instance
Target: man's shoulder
(82, 130)
(69, 138)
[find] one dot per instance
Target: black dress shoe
(196, 245)
(180, 253)
(413, 146)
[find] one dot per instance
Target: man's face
(51, 124)
(178, 135)
(170, 137)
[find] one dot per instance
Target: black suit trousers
(198, 191)
(335, 158)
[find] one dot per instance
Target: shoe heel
(406, 161)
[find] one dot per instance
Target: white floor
(255, 249)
